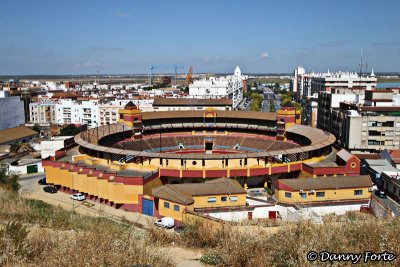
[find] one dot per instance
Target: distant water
(388, 85)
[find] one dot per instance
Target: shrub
(211, 257)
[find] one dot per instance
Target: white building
(69, 111)
(230, 86)
(42, 112)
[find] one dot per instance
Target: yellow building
(172, 200)
(324, 189)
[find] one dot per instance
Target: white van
(165, 222)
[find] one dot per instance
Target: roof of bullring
(339, 182)
(318, 138)
(16, 133)
(270, 116)
(183, 193)
(191, 102)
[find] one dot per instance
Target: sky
(261, 36)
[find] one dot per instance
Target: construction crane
(189, 79)
(174, 67)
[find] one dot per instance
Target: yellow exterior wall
(116, 192)
(330, 195)
(170, 212)
(148, 187)
(202, 201)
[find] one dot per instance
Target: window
(288, 195)
(303, 195)
(166, 205)
(233, 198)
(176, 208)
(358, 192)
(224, 199)
(212, 199)
(320, 194)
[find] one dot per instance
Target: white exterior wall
(287, 213)
(230, 86)
(49, 148)
(78, 112)
(22, 168)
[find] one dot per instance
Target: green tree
(69, 130)
(36, 128)
(9, 182)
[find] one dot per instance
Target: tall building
(327, 101)
(43, 112)
(11, 111)
(371, 126)
(230, 86)
(78, 112)
(311, 86)
(325, 82)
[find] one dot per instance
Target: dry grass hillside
(226, 246)
(33, 233)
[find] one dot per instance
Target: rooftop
(191, 102)
(319, 183)
(183, 193)
(16, 133)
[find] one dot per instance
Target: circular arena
(208, 143)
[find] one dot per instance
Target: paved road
(390, 204)
(31, 189)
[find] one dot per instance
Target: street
(31, 189)
(389, 204)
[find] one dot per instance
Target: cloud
(88, 65)
(208, 59)
(122, 15)
(106, 49)
(392, 43)
(335, 43)
(264, 55)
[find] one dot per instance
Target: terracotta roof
(183, 193)
(270, 116)
(320, 183)
(315, 135)
(11, 134)
(191, 102)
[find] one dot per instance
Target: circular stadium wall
(193, 145)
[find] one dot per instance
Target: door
(147, 207)
(31, 169)
(272, 214)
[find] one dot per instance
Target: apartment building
(168, 104)
(43, 112)
(310, 87)
(327, 101)
(78, 112)
(230, 86)
(325, 82)
(370, 126)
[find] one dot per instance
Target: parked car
(78, 196)
(165, 222)
(50, 189)
(380, 194)
(42, 181)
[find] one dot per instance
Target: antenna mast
(361, 62)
